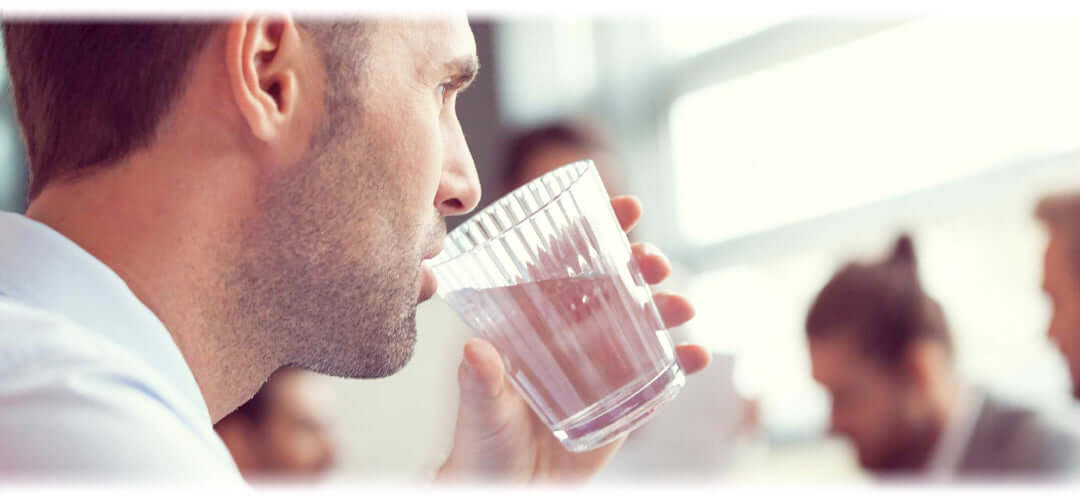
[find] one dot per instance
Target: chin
(877, 464)
(382, 353)
(870, 464)
(881, 470)
(392, 357)
(383, 361)
(397, 352)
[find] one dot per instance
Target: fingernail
(470, 345)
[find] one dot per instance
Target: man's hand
(499, 438)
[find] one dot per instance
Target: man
(1061, 215)
(882, 348)
(212, 201)
(286, 431)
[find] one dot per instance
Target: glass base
(603, 423)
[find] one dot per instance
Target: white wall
(400, 428)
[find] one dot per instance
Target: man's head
(296, 173)
(540, 150)
(286, 431)
(1061, 277)
(881, 347)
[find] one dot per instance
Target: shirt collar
(956, 436)
(42, 268)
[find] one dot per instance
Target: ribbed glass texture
(546, 274)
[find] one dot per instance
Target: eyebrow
(463, 70)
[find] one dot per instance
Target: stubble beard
(309, 292)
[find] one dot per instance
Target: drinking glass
(546, 274)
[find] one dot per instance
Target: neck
(161, 233)
(943, 406)
(950, 404)
(945, 399)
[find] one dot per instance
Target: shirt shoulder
(1017, 440)
(34, 338)
(73, 404)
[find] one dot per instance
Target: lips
(432, 254)
(428, 284)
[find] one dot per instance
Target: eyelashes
(446, 90)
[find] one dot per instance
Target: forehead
(431, 40)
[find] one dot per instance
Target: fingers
(481, 374)
(489, 423)
(692, 357)
(627, 210)
(675, 310)
(655, 268)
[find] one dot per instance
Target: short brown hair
(87, 94)
(575, 133)
(881, 305)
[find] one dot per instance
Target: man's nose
(459, 187)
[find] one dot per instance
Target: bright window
(685, 37)
(899, 111)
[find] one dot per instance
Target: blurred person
(1061, 277)
(882, 348)
(211, 201)
(285, 431)
(537, 151)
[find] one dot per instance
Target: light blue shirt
(92, 385)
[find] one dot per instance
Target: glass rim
(440, 260)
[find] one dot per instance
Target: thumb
(481, 376)
(485, 416)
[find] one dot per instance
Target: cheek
(875, 415)
(1066, 338)
(1064, 324)
(407, 151)
(1065, 319)
(864, 419)
(423, 164)
(1071, 319)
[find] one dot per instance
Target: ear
(925, 365)
(264, 58)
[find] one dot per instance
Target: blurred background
(767, 152)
